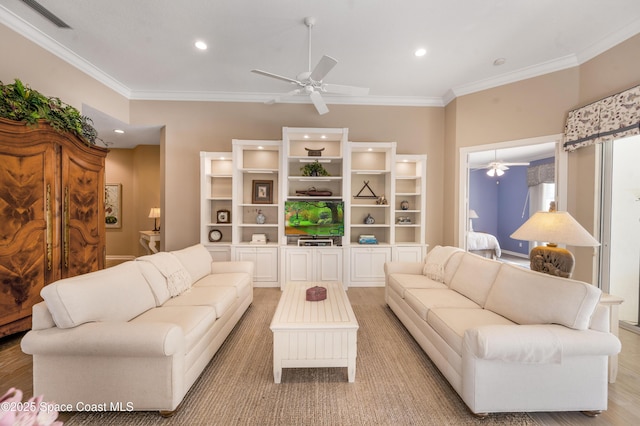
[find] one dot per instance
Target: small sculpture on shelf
(314, 152)
(404, 205)
(260, 218)
(369, 220)
(381, 200)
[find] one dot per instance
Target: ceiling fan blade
(279, 77)
(317, 100)
(345, 90)
(284, 95)
(325, 65)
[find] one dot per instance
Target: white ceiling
(144, 49)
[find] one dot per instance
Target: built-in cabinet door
(367, 265)
(329, 264)
(265, 264)
(83, 216)
(299, 264)
(27, 231)
(408, 253)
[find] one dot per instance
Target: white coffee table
(314, 334)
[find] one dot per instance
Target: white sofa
(135, 336)
(506, 338)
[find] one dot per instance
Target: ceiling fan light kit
(311, 82)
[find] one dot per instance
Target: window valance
(542, 173)
(613, 117)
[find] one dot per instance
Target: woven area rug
(396, 384)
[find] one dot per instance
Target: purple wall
(483, 198)
(500, 202)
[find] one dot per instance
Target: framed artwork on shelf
(113, 205)
(262, 192)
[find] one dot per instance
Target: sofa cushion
(218, 297)
(436, 261)
(241, 281)
(196, 260)
(119, 293)
(194, 321)
(474, 277)
(451, 323)
(422, 299)
(400, 282)
(528, 297)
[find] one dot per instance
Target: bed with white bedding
(484, 244)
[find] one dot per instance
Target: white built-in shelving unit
(369, 178)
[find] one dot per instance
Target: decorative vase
(260, 218)
(404, 205)
(369, 220)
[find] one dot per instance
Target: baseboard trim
(116, 259)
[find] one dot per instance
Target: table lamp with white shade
(554, 227)
(154, 214)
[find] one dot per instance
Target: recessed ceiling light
(499, 61)
(306, 136)
(201, 45)
(323, 136)
(119, 131)
(420, 52)
(261, 147)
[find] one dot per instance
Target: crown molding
(601, 46)
(559, 64)
(294, 99)
(31, 33)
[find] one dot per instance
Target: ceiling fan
(311, 82)
(497, 168)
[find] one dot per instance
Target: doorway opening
(512, 208)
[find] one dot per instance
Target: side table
(148, 240)
(612, 302)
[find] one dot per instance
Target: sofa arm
(118, 339)
(537, 344)
(232, 266)
(414, 268)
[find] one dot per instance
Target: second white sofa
(135, 336)
(506, 338)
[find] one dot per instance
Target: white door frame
(561, 162)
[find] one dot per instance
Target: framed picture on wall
(113, 205)
(262, 192)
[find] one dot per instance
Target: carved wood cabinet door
(27, 230)
(83, 217)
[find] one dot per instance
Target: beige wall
(525, 109)
(138, 170)
(191, 127)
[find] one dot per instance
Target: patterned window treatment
(542, 173)
(613, 117)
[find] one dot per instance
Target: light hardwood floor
(624, 395)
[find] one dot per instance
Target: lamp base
(155, 225)
(552, 260)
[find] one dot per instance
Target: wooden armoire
(52, 219)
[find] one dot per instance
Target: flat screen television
(314, 218)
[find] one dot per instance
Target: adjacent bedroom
(506, 187)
